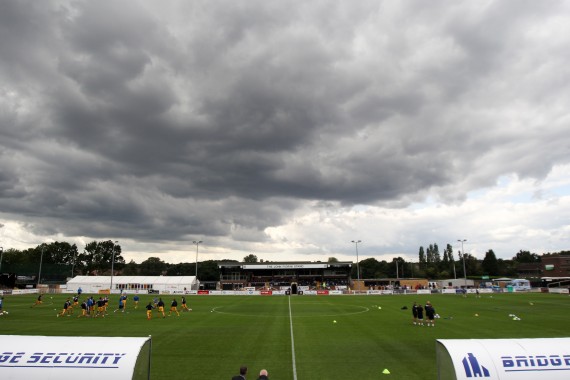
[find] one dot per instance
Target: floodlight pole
(463, 253)
(397, 273)
(357, 261)
(40, 271)
(73, 264)
(1, 257)
(197, 242)
(112, 266)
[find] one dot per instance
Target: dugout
(503, 359)
(283, 275)
(64, 357)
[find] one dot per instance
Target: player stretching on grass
(174, 307)
(38, 301)
(100, 308)
(66, 307)
(184, 306)
(84, 309)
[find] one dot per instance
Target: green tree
(429, 255)
(153, 266)
(208, 271)
(332, 260)
(398, 267)
(436, 255)
(422, 258)
(251, 258)
(368, 268)
(490, 263)
(526, 257)
(130, 269)
(62, 253)
(97, 257)
(181, 269)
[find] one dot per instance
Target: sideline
(292, 341)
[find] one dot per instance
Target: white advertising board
(503, 359)
(85, 358)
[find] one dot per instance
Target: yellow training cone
(386, 372)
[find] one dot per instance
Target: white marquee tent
(132, 284)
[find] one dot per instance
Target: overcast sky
(285, 129)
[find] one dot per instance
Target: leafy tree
(450, 253)
(13, 256)
(369, 268)
(208, 271)
(251, 258)
(471, 265)
(422, 257)
(526, 257)
(429, 255)
(436, 255)
(62, 253)
(130, 269)
(182, 269)
(97, 257)
(490, 263)
(153, 266)
(332, 260)
(398, 267)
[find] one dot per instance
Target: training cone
(386, 372)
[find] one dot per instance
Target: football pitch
(299, 337)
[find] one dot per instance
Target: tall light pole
(112, 266)
(73, 264)
(1, 252)
(197, 242)
(463, 253)
(357, 261)
(397, 273)
(40, 271)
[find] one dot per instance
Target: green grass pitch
(371, 333)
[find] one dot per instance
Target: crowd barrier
(251, 292)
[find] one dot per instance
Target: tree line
(62, 258)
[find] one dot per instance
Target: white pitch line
(292, 341)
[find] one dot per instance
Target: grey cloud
(221, 118)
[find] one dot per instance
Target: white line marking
(292, 341)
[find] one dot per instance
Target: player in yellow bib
(174, 307)
(149, 308)
(160, 306)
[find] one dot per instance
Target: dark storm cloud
(155, 121)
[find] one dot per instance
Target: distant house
(556, 266)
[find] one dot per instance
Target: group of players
(158, 303)
(90, 307)
(418, 314)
